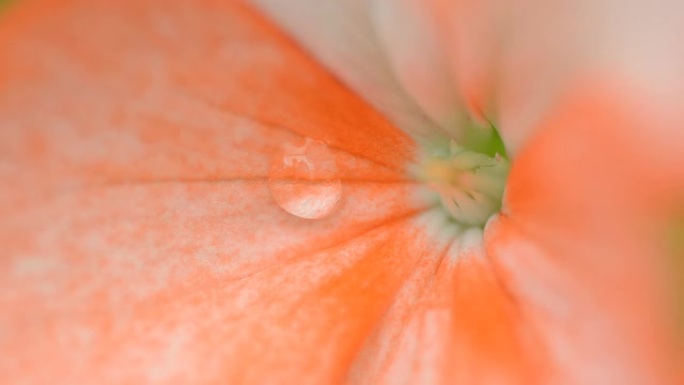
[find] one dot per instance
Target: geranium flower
(358, 192)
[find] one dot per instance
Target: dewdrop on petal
(303, 179)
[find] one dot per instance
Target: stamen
(469, 183)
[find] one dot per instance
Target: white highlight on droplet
(304, 179)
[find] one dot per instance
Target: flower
(221, 192)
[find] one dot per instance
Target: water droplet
(304, 180)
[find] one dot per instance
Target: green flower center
(467, 176)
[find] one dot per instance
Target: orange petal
(453, 322)
(141, 240)
(581, 240)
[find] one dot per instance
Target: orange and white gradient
(225, 192)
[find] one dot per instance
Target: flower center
(467, 176)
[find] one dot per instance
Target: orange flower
(280, 192)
